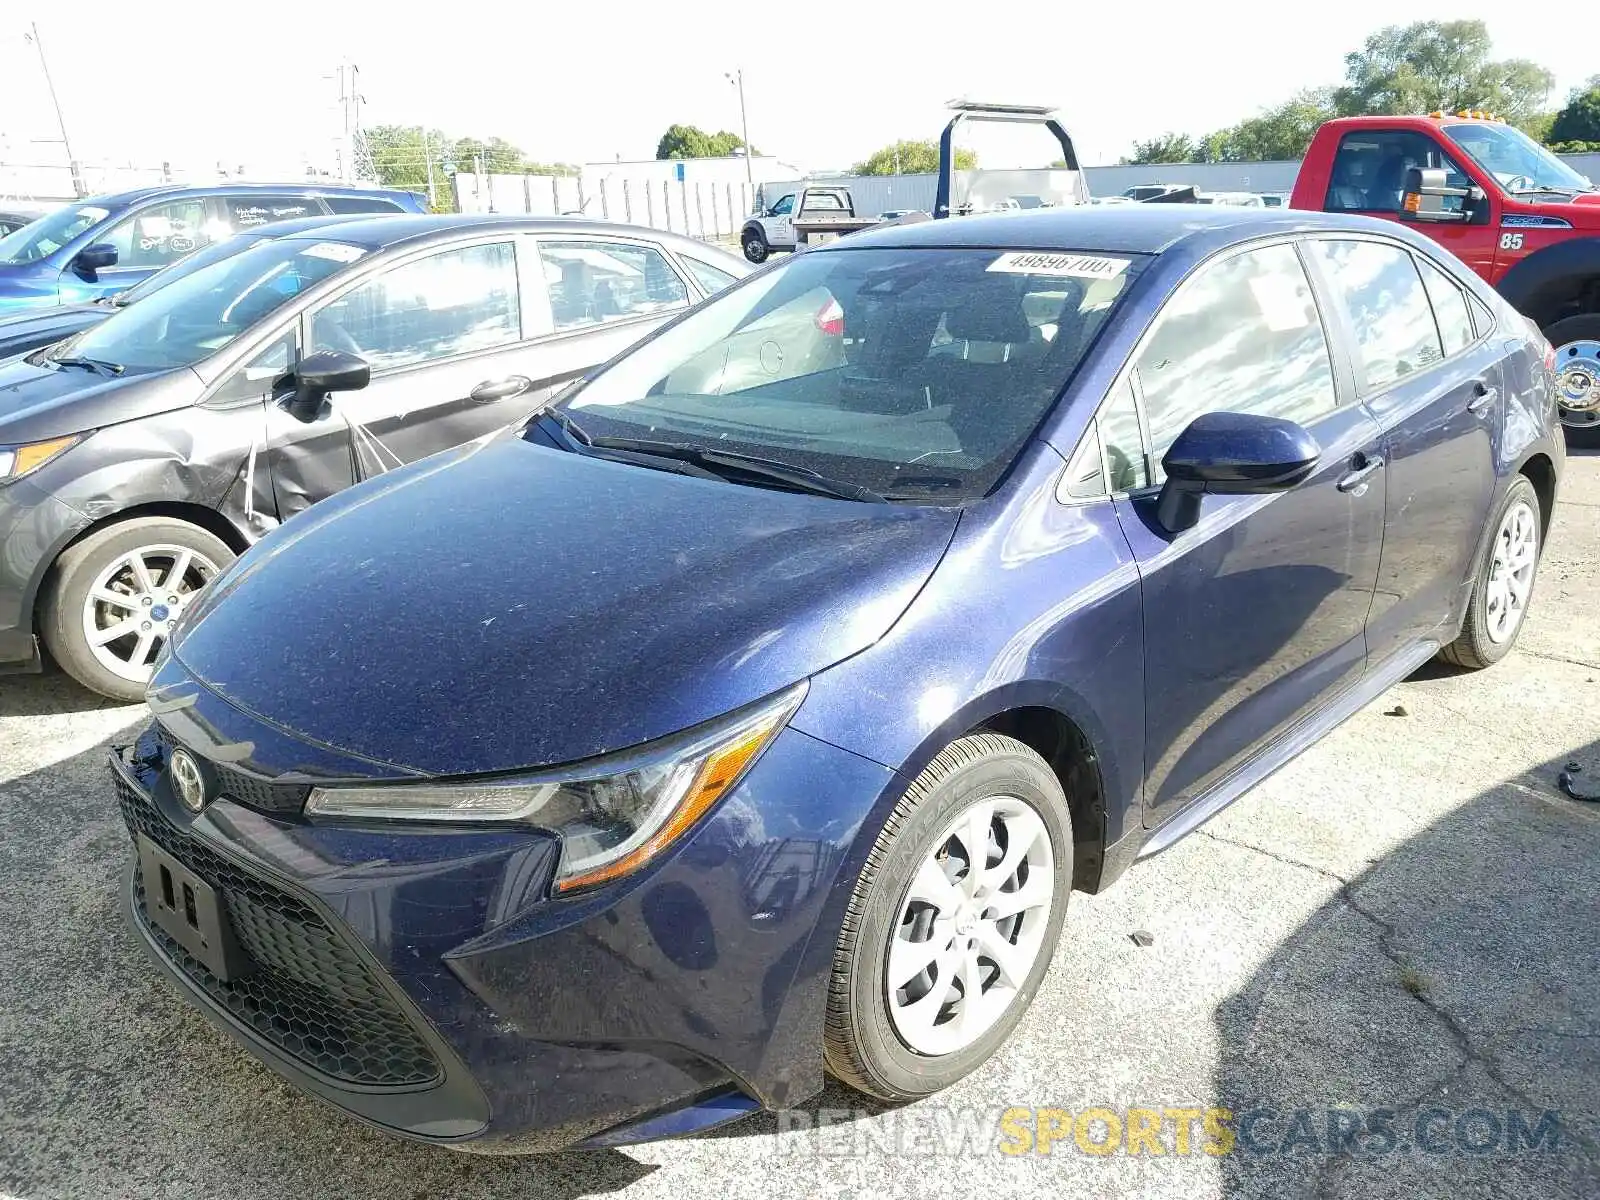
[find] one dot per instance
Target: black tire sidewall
(1486, 649)
(755, 238)
(1559, 333)
(73, 575)
(894, 1067)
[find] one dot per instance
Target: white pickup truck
(798, 218)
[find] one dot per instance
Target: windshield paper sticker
(1076, 266)
(335, 251)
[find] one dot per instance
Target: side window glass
(1482, 320)
(1449, 307)
(1243, 335)
(783, 207)
(1388, 309)
(248, 212)
(1126, 465)
(154, 237)
(255, 378)
(360, 204)
(1369, 169)
(1085, 478)
(592, 283)
(713, 279)
(449, 303)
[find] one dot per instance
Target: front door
(1255, 615)
(1434, 386)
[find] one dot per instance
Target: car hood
(38, 402)
(505, 606)
(30, 328)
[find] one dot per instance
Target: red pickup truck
(1508, 208)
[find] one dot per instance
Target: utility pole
(427, 154)
(61, 124)
(736, 77)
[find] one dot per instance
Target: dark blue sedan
(752, 711)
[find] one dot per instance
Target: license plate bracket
(187, 909)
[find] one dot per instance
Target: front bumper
(34, 527)
(422, 979)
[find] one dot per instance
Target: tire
(1577, 344)
(1483, 640)
(68, 611)
(755, 245)
(874, 1039)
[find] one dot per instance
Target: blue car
(750, 712)
(106, 244)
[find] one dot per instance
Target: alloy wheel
(970, 926)
(1511, 568)
(1578, 383)
(135, 603)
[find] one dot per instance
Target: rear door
(1433, 383)
(1255, 616)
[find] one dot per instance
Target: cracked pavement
(1405, 919)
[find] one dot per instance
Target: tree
(687, 141)
(400, 154)
(1168, 148)
(1431, 65)
(911, 158)
(1278, 133)
(1579, 121)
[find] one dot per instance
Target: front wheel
(952, 923)
(113, 598)
(1504, 586)
(1577, 344)
(755, 246)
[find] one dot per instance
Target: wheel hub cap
(1516, 554)
(971, 926)
(1578, 382)
(135, 603)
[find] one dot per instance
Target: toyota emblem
(187, 781)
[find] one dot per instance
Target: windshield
(198, 315)
(185, 267)
(915, 373)
(1515, 159)
(49, 233)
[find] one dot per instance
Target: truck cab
(1507, 207)
(773, 228)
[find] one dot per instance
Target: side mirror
(95, 257)
(1425, 194)
(321, 373)
(1231, 454)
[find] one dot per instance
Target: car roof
(381, 232)
(1122, 228)
(137, 195)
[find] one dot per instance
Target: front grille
(252, 791)
(309, 994)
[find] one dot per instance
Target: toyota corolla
(752, 710)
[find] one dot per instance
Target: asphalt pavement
(1376, 975)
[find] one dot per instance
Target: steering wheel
(1511, 184)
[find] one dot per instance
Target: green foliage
(1579, 121)
(687, 141)
(911, 158)
(401, 153)
(1278, 133)
(1168, 148)
(1432, 65)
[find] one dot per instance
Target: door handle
(500, 389)
(1482, 396)
(1362, 466)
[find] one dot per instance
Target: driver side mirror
(321, 373)
(1425, 193)
(1231, 454)
(93, 258)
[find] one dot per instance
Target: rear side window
(713, 279)
(1449, 308)
(361, 204)
(1388, 308)
(247, 212)
(1242, 335)
(592, 283)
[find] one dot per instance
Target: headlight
(17, 461)
(613, 815)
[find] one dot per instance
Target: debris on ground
(1142, 937)
(1572, 782)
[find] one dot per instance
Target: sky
(590, 80)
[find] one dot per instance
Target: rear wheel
(1577, 344)
(952, 923)
(1504, 586)
(755, 245)
(113, 598)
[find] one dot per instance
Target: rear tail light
(830, 319)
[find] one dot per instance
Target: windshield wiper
(94, 364)
(724, 462)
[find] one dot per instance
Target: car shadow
(112, 1084)
(1453, 984)
(53, 693)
